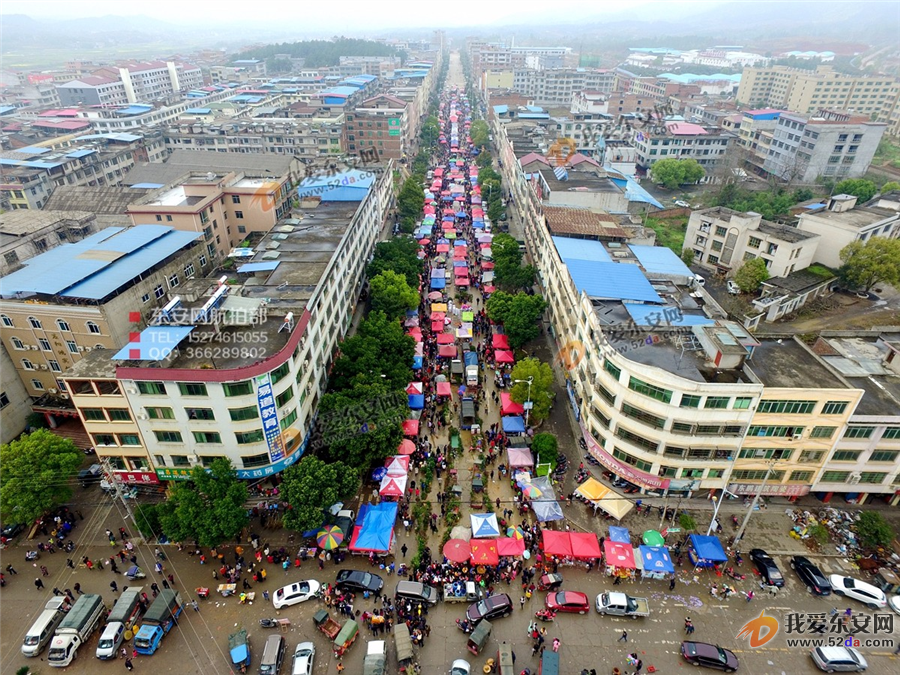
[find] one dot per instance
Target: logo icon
(571, 354)
(561, 150)
(264, 197)
(753, 630)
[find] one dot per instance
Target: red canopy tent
(398, 465)
(462, 281)
(459, 253)
(443, 248)
(618, 554)
(438, 171)
(457, 550)
(423, 242)
(557, 543)
(438, 316)
(489, 289)
(503, 356)
(437, 325)
(443, 389)
(508, 406)
(415, 388)
(411, 427)
(393, 486)
(461, 271)
(447, 351)
(415, 331)
(487, 265)
(484, 552)
(585, 545)
(510, 546)
(406, 447)
(499, 341)
(446, 339)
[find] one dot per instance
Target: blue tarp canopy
(478, 224)
(259, 266)
(619, 534)
(438, 283)
(513, 424)
(417, 362)
(485, 525)
(547, 510)
(666, 315)
(708, 548)
(374, 527)
(460, 263)
(154, 343)
(460, 242)
(656, 559)
(611, 281)
(416, 401)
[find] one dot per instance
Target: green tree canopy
(431, 131)
(479, 132)
(546, 448)
(487, 173)
(769, 203)
(541, 375)
(520, 315)
(672, 172)
(874, 530)
(318, 53)
(379, 347)
(508, 269)
(311, 486)
(392, 295)
(483, 159)
(890, 186)
(411, 199)
(860, 188)
(751, 274)
(866, 264)
(420, 164)
(398, 255)
(210, 508)
(35, 474)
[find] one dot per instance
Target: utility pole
(107, 469)
(740, 532)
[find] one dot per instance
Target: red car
(567, 601)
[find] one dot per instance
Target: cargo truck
(122, 618)
(620, 604)
(75, 629)
(471, 359)
(158, 621)
(467, 413)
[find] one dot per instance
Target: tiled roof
(562, 220)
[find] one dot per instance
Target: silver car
(304, 656)
(838, 659)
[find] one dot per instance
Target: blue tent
(460, 263)
(485, 525)
(438, 272)
(443, 240)
(447, 219)
(374, 527)
(705, 551)
(437, 284)
(656, 560)
(418, 362)
(460, 242)
(379, 473)
(513, 424)
(478, 224)
(461, 214)
(619, 534)
(545, 510)
(416, 401)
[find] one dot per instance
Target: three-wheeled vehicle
(478, 638)
(549, 663)
(505, 663)
(326, 624)
(550, 582)
(239, 647)
(345, 638)
(404, 647)
(134, 572)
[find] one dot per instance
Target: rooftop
(582, 222)
(108, 199)
(181, 162)
(175, 196)
(785, 363)
(798, 282)
(861, 361)
(20, 223)
(785, 232)
(584, 180)
(858, 217)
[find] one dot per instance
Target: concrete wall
(15, 404)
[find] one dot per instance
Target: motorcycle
(738, 559)
(268, 623)
(735, 522)
(545, 615)
(32, 555)
(70, 546)
(590, 459)
(465, 625)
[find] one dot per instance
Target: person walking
(114, 586)
(403, 550)
(128, 664)
(623, 637)
(197, 606)
(78, 590)
(38, 584)
(10, 570)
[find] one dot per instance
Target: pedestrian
(38, 584)
(78, 590)
(340, 667)
(638, 666)
(11, 570)
(266, 596)
(114, 586)
(623, 637)
(128, 664)
(123, 654)
(56, 591)
(196, 606)
(522, 602)
(165, 583)
(69, 563)
(403, 550)
(44, 571)
(672, 584)
(749, 595)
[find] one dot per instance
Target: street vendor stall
(619, 559)
(484, 552)
(485, 525)
(508, 406)
(519, 458)
(705, 551)
(654, 562)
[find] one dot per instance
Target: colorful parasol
(514, 533)
(329, 538)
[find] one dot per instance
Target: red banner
(627, 472)
(137, 477)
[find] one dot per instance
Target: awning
(445, 339)
(411, 427)
(484, 552)
(398, 465)
(507, 546)
(513, 424)
(462, 281)
(484, 525)
(416, 401)
(504, 356)
(584, 545)
(447, 351)
(437, 283)
(546, 510)
(443, 389)
(439, 307)
(519, 457)
(708, 548)
(656, 559)
(499, 341)
(556, 543)
(619, 534)
(592, 489)
(508, 406)
(415, 388)
(618, 554)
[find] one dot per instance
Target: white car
(894, 602)
(460, 667)
(839, 659)
(869, 595)
(304, 656)
(294, 594)
(733, 288)
(682, 204)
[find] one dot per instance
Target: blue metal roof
(147, 186)
(153, 344)
(635, 193)
(32, 150)
(97, 265)
(534, 116)
(661, 260)
(349, 186)
(612, 281)
(667, 315)
(80, 153)
(501, 109)
(259, 266)
(198, 111)
(570, 248)
(134, 109)
(340, 91)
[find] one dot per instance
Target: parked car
(304, 656)
(683, 204)
(568, 601)
(894, 603)
(10, 531)
(90, 476)
(838, 659)
(767, 567)
(709, 656)
(460, 667)
(732, 287)
(492, 607)
(869, 595)
(359, 581)
(293, 594)
(812, 576)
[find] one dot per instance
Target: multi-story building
(755, 135)
(26, 235)
(684, 140)
(80, 296)
(380, 123)
(556, 86)
(243, 381)
(834, 145)
(93, 90)
(379, 66)
(807, 91)
(131, 83)
(24, 188)
(15, 405)
(241, 71)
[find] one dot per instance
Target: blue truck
(471, 361)
(158, 621)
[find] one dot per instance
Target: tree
(545, 448)
(860, 188)
(508, 269)
(687, 256)
(146, 519)
(520, 315)
(36, 472)
(874, 530)
(687, 523)
(411, 199)
(890, 186)
(379, 347)
(311, 486)
(541, 375)
(210, 508)
(483, 159)
(751, 274)
(392, 295)
(870, 263)
(398, 255)
(495, 210)
(480, 133)
(420, 164)
(431, 131)
(672, 172)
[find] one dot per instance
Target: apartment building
(23, 188)
(557, 86)
(381, 123)
(379, 66)
(80, 296)
(92, 90)
(241, 71)
(684, 140)
(130, 83)
(807, 91)
(24, 235)
(235, 371)
(15, 405)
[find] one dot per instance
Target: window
(650, 390)
(155, 388)
(884, 456)
(281, 371)
(255, 460)
(766, 453)
(192, 388)
(129, 439)
(73, 346)
(199, 413)
(284, 397)
(289, 419)
(643, 416)
(774, 431)
(750, 474)
(634, 461)
(242, 229)
(180, 460)
(54, 366)
(202, 260)
(63, 325)
(6, 321)
(119, 415)
(811, 456)
(690, 401)
(835, 476)
(716, 402)
(35, 323)
(682, 428)
(27, 365)
(189, 270)
(239, 215)
(834, 408)
(754, 242)
(158, 218)
(93, 328)
(145, 297)
(822, 432)
(721, 231)
(237, 388)
(786, 407)
(742, 402)
(801, 476)
(168, 436)
(235, 199)
(872, 477)
(207, 436)
(859, 432)
(158, 292)
(891, 433)
(240, 414)
(94, 414)
(712, 259)
(244, 438)
(17, 343)
(605, 393)
(173, 281)
(104, 439)
(160, 413)
(640, 441)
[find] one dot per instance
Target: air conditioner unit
(81, 349)
(33, 348)
(132, 390)
(64, 395)
(87, 349)
(44, 366)
(143, 416)
(855, 477)
(306, 363)
(52, 390)
(796, 437)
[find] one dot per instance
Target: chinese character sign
(268, 413)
